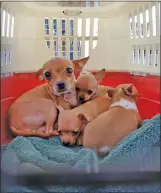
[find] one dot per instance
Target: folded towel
(32, 154)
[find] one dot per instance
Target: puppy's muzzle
(66, 144)
(61, 86)
(81, 98)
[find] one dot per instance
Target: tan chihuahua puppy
(87, 86)
(72, 122)
(34, 113)
(109, 128)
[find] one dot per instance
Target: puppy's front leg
(54, 131)
(49, 127)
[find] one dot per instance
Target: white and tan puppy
(112, 126)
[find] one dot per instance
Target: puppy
(87, 86)
(109, 128)
(72, 122)
(34, 113)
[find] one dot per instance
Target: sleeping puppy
(87, 86)
(72, 122)
(109, 128)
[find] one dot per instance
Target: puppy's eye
(74, 132)
(69, 70)
(89, 92)
(77, 89)
(47, 75)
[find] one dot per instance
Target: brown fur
(72, 122)
(112, 126)
(34, 113)
(87, 86)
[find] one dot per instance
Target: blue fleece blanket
(33, 154)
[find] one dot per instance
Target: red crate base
(14, 86)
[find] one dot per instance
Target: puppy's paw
(79, 142)
(103, 151)
(54, 133)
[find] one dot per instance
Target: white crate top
(118, 36)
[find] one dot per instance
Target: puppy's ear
(83, 118)
(100, 75)
(79, 64)
(39, 74)
(59, 107)
(130, 90)
(111, 92)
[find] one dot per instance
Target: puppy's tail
(103, 151)
(32, 133)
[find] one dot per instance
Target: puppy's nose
(61, 85)
(81, 98)
(66, 144)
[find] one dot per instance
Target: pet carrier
(122, 37)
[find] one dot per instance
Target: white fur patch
(105, 149)
(125, 104)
